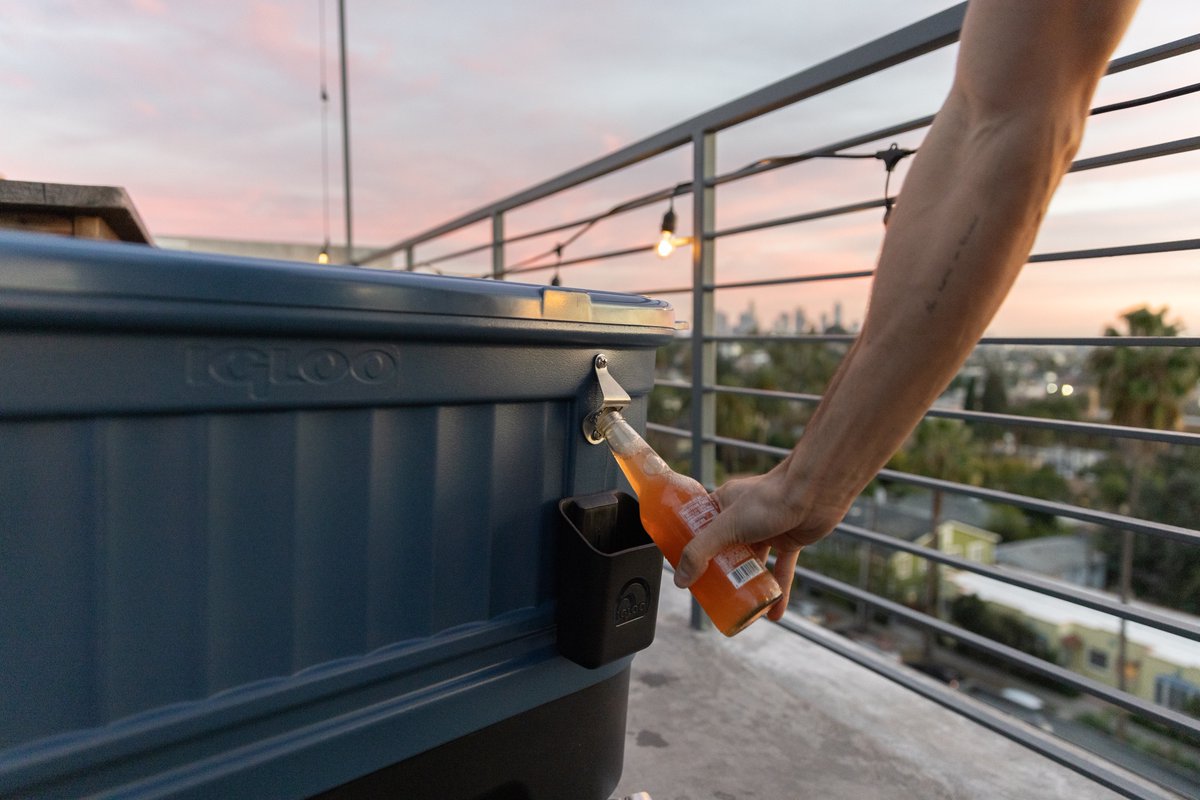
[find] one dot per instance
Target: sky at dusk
(209, 115)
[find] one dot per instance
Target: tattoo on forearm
(966, 237)
(932, 304)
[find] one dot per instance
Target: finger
(715, 536)
(785, 576)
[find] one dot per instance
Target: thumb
(712, 539)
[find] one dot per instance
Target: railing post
(410, 261)
(704, 354)
(498, 245)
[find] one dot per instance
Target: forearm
(956, 243)
(961, 232)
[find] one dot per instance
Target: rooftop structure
(93, 212)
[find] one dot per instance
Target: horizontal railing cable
(866, 205)
(827, 276)
(668, 430)
(1131, 61)
(1145, 100)
(988, 417)
(778, 162)
(1104, 518)
(1115, 251)
(1161, 714)
(1160, 52)
(570, 262)
(1032, 582)
(1159, 150)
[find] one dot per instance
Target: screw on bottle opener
(614, 398)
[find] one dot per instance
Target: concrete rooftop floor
(769, 715)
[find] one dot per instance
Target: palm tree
(1144, 387)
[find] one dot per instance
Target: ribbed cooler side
(153, 560)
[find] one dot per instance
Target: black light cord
(324, 131)
(892, 156)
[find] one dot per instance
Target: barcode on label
(742, 573)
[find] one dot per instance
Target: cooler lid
(40, 273)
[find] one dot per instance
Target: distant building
(910, 522)
(747, 321)
(954, 539)
(721, 320)
(1070, 558)
(283, 251)
(1160, 667)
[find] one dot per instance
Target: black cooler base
(573, 748)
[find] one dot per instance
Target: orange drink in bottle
(736, 589)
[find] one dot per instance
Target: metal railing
(700, 134)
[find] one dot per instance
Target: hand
(761, 512)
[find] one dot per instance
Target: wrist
(819, 489)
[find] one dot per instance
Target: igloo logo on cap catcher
(633, 601)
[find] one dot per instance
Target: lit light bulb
(323, 256)
(665, 245)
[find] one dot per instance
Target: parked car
(1018, 703)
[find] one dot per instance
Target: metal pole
(704, 353)
(498, 245)
(410, 261)
(345, 128)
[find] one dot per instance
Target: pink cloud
(155, 7)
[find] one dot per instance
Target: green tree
(1018, 476)
(942, 449)
(1144, 387)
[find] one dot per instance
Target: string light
(666, 244)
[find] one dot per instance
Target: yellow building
(1160, 667)
(955, 539)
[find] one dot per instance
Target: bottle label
(698, 512)
(736, 561)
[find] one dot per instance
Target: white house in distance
(1162, 667)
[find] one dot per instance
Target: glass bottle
(736, 589)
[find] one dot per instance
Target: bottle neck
(619, 434)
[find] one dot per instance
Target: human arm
(960, 233)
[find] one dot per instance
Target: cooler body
(274, 530)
